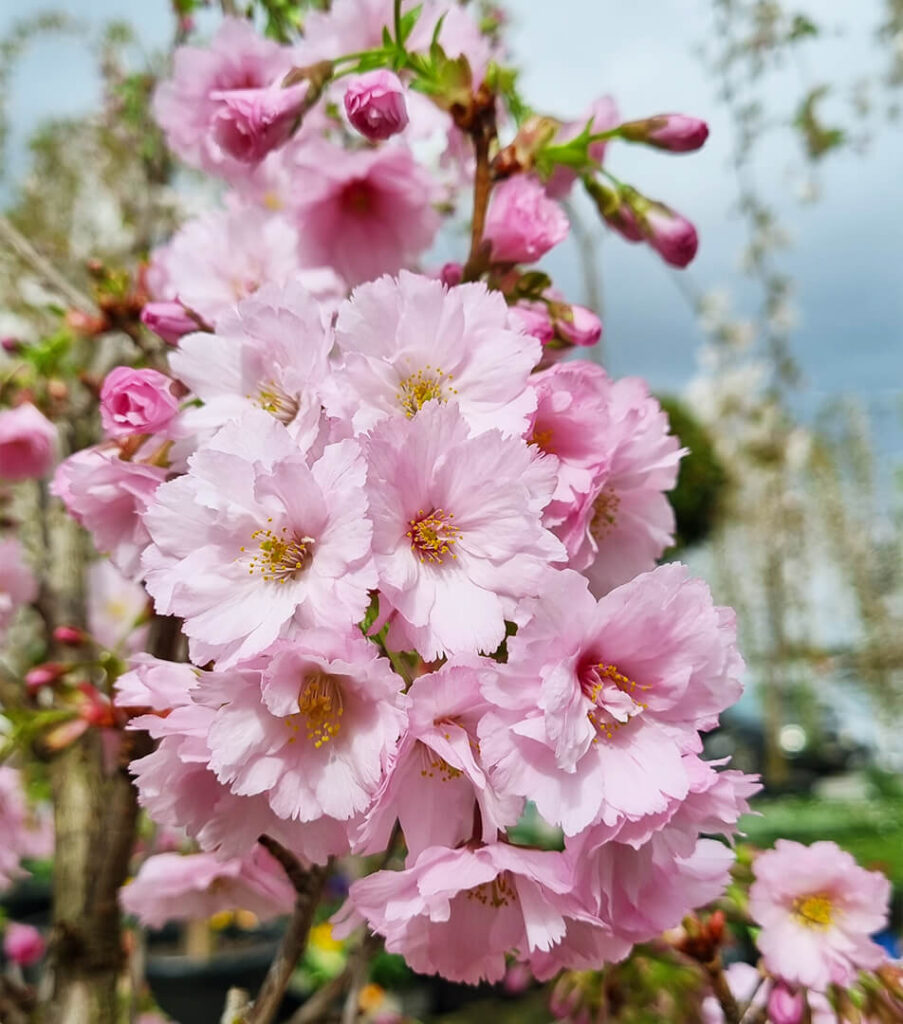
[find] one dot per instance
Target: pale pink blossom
(136, 402)
(252, 122)
(457, 539)
(533, 318)
(252, 540)
(156, 684)
(168, 320)
(24, 833)
(271, 352)
(185, 887)
(108, 495)
(375, 105)
(23, 944)
(186, 106)
(312, 730)
(601, 116)
(215, 261)
(599, 701)
(786, 1006)
(435, 782)
(18, 585)
(28, 443)
(364, 212)
(523, 223)
(623, 522)
(117, 607)
(458, 912)
(410, 342)
(817, 909)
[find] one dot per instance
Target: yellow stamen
(605, 514)
(814, 911)
(423, 386)
(433, 535)
(280, 557)
(277, 402)
(321, 706)
(497, 893)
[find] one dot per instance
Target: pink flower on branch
(523, 223)
(136, 402)
(28, 443)
(375, 105)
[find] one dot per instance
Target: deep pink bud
(676, 133)
(624, 221)
(10, 345)
(45, 675)
(672, 236)
(69, 635)
(169, 320)
(375, 105)
(533, 318)
(451, 274)
(785, 1006)
(28, 443)
(584, 329)
(252, 122)
(23, 944)
(136, 402)
(523, 223)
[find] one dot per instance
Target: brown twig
(479, 121)
(718, 979)
(308, 885)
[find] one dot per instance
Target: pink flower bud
(28, 443)
(23, 944)
(624, 221)
(45, 675)
(676, 133)
(252, 122)
(584, 329)
(69, 635)
(136, 402)
(169, 320)
(523, 223)
(10, 345)
(451, 274)
(672, 236)
(785, 1006)
(533, 318)
(375, 105)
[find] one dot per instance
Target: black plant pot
(193, 991)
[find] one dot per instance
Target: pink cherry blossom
(136, 402)
(364, 212)
(408, 342)
(312, 731)
(457, 537)
(117, 608)
(23, 944)
(18, 585)
(523, 223)
(458, 912)
(599, 700)
(252, 122)
(817, 909)
(28, 443)
(169, 320)
(533, 318)
(623, 523)
(435, 781)
(184, 887)
(375, 105)
(107, 495)
(187, 105)
(154, 683)
(217, 260)
(271, 352)
(24, 834)
(252, 540)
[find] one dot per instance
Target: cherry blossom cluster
(412, 551)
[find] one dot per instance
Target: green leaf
(408, 21)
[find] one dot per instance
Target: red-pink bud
(676, 133)
(533, 318)
(672, 236)
(452, 274)
(252, 122)
(45, 675)
(69, 635)
(12, 346)
(785, 1006)
(584, 329)
(169, 320)
(28, 443)
(23, 944)
(136, 402)
(375, 105)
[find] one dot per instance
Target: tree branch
(28, 254)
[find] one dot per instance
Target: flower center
(431, 765)
(280, 557)
(497, 893)
(605, 514)
(277, 402)
(321, 706)
(613, 696)
(433, 535)
(357, 196)
(421, 387)
(813, 911)
(542, 438)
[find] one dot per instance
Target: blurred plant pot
(193, 991)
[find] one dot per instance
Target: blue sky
(846, 252)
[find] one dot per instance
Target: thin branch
(722, 990)
(41, 265)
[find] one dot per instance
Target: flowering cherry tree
(401, 552)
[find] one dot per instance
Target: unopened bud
(671, 235)
(70, 636)
(451, 274)
(675, 133)
(22, 944)
(45, 675)
(252, 122)
(583, 328)
(170, 320)
(785, 1006)
(12, 346)
(375, 105)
